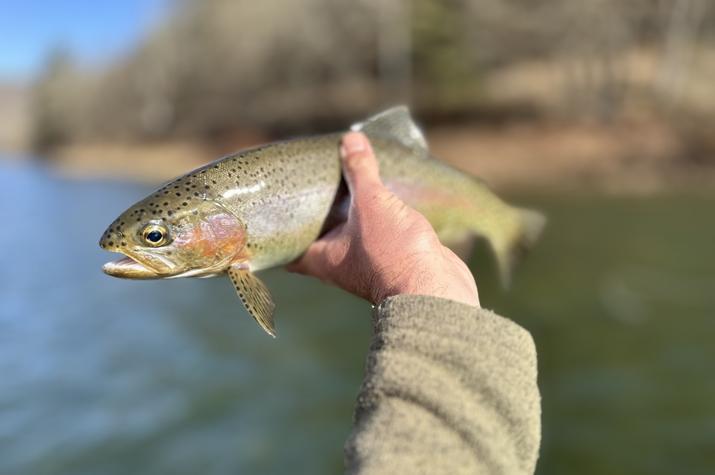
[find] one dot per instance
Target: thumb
(360, 167)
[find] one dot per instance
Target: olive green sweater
(449, 389)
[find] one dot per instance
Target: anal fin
(255, 297)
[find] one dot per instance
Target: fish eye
(155, 235)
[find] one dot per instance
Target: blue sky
(92, 30)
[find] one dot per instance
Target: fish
(262, 207)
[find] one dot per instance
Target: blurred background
(598, 112)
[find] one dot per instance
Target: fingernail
(353, 143)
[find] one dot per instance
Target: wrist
(459, 289)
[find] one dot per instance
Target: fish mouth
(128, 268)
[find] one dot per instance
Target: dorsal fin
(397, 124)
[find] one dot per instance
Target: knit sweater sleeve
(448, 389)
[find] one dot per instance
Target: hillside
(15, 113)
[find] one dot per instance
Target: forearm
(449, 388)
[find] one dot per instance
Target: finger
(311, 262)
(360, 167)
(323, 256)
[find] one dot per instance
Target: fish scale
(263, 207)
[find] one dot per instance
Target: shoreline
(638, 157)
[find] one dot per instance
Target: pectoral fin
(255, 297)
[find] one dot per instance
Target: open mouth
(128, 268)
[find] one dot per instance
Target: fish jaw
(128, 268)
(142, 265)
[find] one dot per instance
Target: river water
(105, 376)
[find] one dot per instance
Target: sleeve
(448, 389)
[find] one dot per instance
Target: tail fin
(514, 239)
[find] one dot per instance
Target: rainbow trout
(263, 207)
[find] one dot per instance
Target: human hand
(384, 248)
